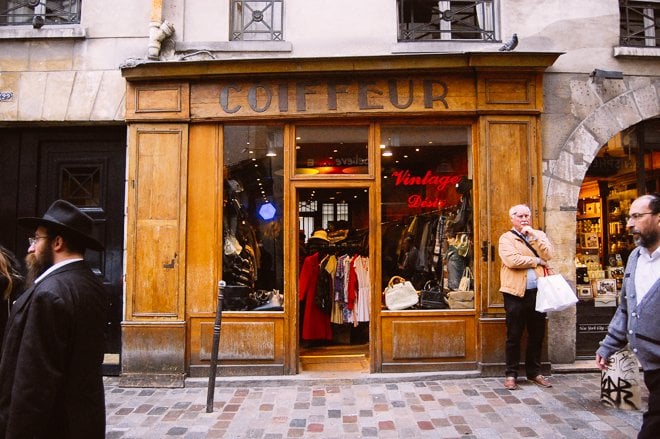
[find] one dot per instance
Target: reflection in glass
(426, 206)
(253, 253)
(331, 150)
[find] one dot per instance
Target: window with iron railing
(254, 20)
(640, 23)
(39, 12)
(421, 20)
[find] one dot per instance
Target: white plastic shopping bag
(554, 293)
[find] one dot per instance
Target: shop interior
(625, 168)
(333, 286)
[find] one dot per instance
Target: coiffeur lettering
(368, 95)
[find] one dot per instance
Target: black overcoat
(51, 384)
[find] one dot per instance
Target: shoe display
(510, 383)
(541, 381)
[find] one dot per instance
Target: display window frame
(371, 150)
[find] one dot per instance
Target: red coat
(316, 323)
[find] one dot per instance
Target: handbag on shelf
(553, 293)
(236, 298)
(467, 280)
(463, 298)
(272, 301)
(400, 294)
(432, 296)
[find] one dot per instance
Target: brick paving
(417, 407)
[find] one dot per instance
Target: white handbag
(400, 294)
(554, 293)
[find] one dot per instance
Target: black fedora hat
(69, 218)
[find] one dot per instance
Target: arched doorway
(627, 166)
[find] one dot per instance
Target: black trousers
(521, 315)
(651, 419)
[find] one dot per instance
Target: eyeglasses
(636, 216)
(33, 240)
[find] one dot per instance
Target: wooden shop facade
(309, 186)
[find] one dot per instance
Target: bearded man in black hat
(51, 384)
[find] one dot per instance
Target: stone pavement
(378, 406)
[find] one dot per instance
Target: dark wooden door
(85, 166)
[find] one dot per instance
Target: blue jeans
(521, 315)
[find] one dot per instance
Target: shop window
(434, 20)
(253, 257)
(331, 150)
(255, 20)
(640, 23)
(39, 12)
(426, 210)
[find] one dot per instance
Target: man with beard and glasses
(636, 321)
(51, 384)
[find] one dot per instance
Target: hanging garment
(361, 264)
(316, 324)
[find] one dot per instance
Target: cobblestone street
(411, 408)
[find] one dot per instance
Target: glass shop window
(253, 242)
(426, 207)
(332, 150)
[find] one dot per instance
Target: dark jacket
(637, 325)
(51, 385)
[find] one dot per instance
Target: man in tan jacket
(524, 251)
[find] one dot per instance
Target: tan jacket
(517, 258)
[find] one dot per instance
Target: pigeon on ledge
(510, 45)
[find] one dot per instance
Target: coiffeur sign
(326, 96)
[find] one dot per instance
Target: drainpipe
(158, 29)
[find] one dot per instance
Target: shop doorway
(334, 283)
(626, 167)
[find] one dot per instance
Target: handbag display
(236, 298)
(467, 280)
(463, 298)
(432, 296)
(400, 294)
(553, 293)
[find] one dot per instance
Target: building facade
(271, 145)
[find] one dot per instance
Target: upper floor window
(446, 20)
(256, 20)
(39, 12)
(640, 23)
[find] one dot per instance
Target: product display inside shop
(253, 261)
(427, 213)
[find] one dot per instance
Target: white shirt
(55, 267)
(647, 272)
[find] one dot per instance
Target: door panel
(91, 176)
(507, 155)
(86, 166)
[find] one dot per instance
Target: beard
(646, 240)
(36, 266)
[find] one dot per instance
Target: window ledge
(48, 31)
(447, 46)
(623, 51)
(235, 46)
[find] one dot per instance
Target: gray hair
(514, 210)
